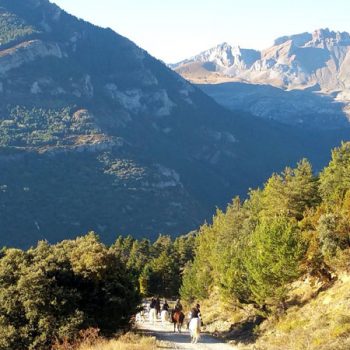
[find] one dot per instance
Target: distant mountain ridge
(318, 61)
(301, 60)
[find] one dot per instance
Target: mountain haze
(96, 134)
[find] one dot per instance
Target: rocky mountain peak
(224, 57)
(221, 54)
(297, 39)
(326, 36)
(315, 39)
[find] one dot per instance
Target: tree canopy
(297, 223)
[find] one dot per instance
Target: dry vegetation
(90, 340)
(128, 341)
(217, 314)
(321, 324)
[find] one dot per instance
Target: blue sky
(176, 29)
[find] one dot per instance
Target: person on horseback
(195, 323)
(178, 306)
(152, 311)
(152, 305)
(165, 306)
(194, 313)
(177, 316)
(157, 306)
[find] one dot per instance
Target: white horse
(152, 315)
(195, 329)
(140, 316)
(164, 316)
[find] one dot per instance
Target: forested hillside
(96, 134)
(295, 228)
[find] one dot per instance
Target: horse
(140, 316)
(164, 316)
(195, 329)
(152, 315)
(177, 317)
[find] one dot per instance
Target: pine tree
(272, 259)
(335, 178)
(291, 193)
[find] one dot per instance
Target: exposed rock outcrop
(25, 52)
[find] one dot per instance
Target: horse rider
(195, 313)
(195, 323)
(178, 306)
(165, 306)
(157, 305)
(152, 305)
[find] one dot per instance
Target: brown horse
(177, 317)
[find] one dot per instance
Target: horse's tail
(164, 316)
(152, 315)
(197, 333)
(195, 329)
(181, 317)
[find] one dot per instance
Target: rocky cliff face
(95, 134)
(224, 58)
(317, 61)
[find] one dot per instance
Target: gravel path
(182, 341)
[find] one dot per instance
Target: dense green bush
(52, 291)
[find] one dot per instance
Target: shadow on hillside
(243, 332)
(307, 108)
(327, 281)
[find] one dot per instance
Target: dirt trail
(165, 332)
